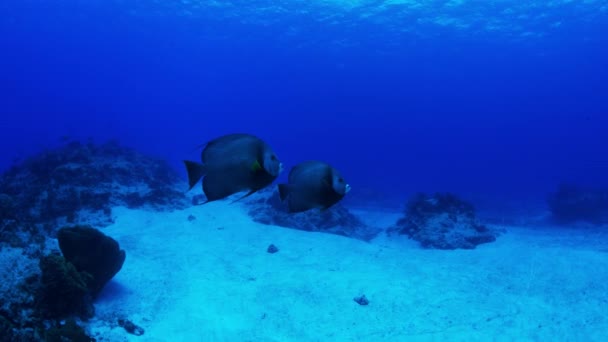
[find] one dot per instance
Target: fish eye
(341, 180)
(273, 157)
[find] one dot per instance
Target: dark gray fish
(234, 163)
(313, 184)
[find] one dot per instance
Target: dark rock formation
(37, 294)
(272, 249)
(19, 281)
(7, 207)
(443, 221)
(9, 331)
(64, 291)
(30, 237)
(93, 253)
(267, 208)
(6, 328)
(69, 331)
(81, 182)
(37, 291)
(572, 203)
(361, 300)
(21, 247)
(131, 327)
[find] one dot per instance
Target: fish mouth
(347, 188)
(280, 167)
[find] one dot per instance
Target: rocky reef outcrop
(267, 208)
(43, 293)
(38, 291)
(81, 182)
(571, 203)
(443, 221)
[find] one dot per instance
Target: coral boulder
(443, 221)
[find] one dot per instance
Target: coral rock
(267, 208)
(571, 203)
(443, 221)
(272, 249)
(64, 290)
(70, 331)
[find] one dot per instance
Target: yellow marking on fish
(256, 166)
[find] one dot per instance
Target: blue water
(502, 99)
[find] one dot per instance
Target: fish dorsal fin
(256, 166)
(217, 150)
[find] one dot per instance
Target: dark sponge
(91, 251)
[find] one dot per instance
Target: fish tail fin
(196, 171)
(283, 191)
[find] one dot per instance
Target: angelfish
(234, 163)
(313, 184)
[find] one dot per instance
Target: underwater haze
(456, 187)
(488, 97)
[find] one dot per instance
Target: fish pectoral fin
(245, 196)
(216, 186)
(207, 201)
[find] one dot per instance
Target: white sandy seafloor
(212, 280)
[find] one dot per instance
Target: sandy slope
(212, 280)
